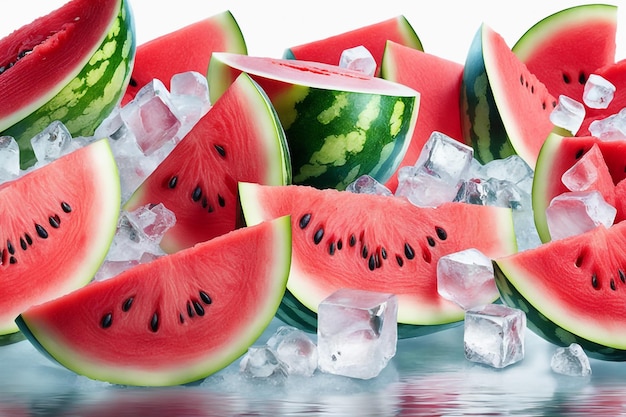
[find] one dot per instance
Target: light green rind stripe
(88, 98)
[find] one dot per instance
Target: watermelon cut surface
(438, 81)
(239, 139)
(505, 108)
(174, 320)
(56, 228)
(373, 37)
(572, 290)
(186, 49)
(563, 49)
(377, 243)
(339, 124)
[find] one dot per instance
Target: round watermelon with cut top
(373, 37)
(376, 243)
(185, 49)
(339, 124)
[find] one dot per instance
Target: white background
(269, 26)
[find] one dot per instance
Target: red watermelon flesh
(239, 139)
(186, 49)
(373, 37)
(438, 81)
(563, 49)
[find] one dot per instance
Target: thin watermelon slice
(377, 243)
(557, 155)
(564, 48)
(439, 82)
(373, 37)
(56, 228)
(572, 290)
(172, 321)
(186, 49)
(505, 108)
(339, 124)
(239, 139)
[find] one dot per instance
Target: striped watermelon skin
(92, 94)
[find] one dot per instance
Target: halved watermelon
(174, 320)
(557, 155)
(439, 82)
(239, 139)
(377, 243)
(186, 49)
(340, 124)
(56, 228)
(572, 290)
(505, 108)
(564, 48)
(373, 37)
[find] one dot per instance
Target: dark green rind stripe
(482, 125)
(547, 329)
(91, 95)
(348, 150)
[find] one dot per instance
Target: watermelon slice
(377, 243)
(340, 124)
(439, 82)
(572, 290)
(373, 37)
(172, 321)
(505, 108)
(557, 155)
(186, 49)
(239, 139)
(46, 209)
(564, 48)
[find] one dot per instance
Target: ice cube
(584, 175)
(359, 59)
(52, 142)
(357, 332)
(466, 278)
(367, 184)
(503, 193)
(9, 158)
(512, 168)
(189, 93)
(423, 189)
(445, 157)
(575, 212)
(295, 349)
(152, 220)
(494, 335)
(262, 362)
(598, 92)
(568, 114)
(571, 360)
(612, 127)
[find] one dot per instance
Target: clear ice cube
(367, 184)
(612, 127)
(262, 362)
(9, 158)
(568, 114)
(584, 175)
(51, 143)
(512, 168)
(358, 59)
(295, 349)
(189, 93)
(466, 278)
(576, 212)
(571, 360)
(598, 92)
(357, 332)
(494, 335)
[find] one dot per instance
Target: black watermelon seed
(172, 182)
(12, 260)
(205, 202)
(431, 241)
(41, 232)
(23, 244)
(181, 318)
(399, 260)
(304, 220)
(128, 303)
(317, 238)
(132, 82)
(220, 150)
(221, 201)
(371, 264)
(190, 312)
(29, 239)
(408, 251)
(383, 253)
(352, 240)
(339, 244)
(364, 252)
(613, 286)
(205, 297)
(566, 79)
(579, 153)
(331, 248)
(210, 210)
(594, 281)
(582, 78)
(197, 193)
(65, 207)
(622, 276)
(441, 233)
(106, 321)
(10, 247)
(154, 322)
(198, 307)
(521, 79)
(55, 221)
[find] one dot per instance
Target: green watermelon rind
(89, 95)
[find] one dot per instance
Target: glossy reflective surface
(428, 376)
